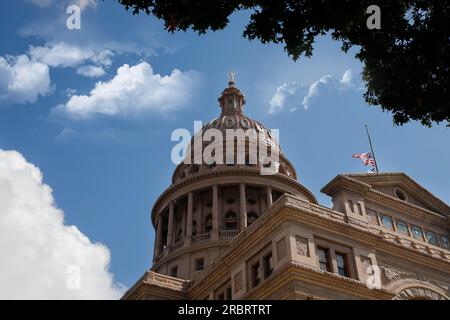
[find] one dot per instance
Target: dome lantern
(231, 100)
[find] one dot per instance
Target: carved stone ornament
(390, 274)
(164, 281)
(418, 293)
(302, 246)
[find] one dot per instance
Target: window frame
(171, 273)
(327, 257)
(333, 248)
(196, 261)
(382, 216)
(267, 266)
(255, 274)
(345, 262)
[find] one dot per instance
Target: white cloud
(86, 3)
(101, 57)
(91, 71)
(65, 55)
(81, 3)
(286, 95)
(143, 37)
(134, 90)
(316, 87)
(42, 3)
(23, 80)
(329, 83)
(348, 78)
(25, 77)
(37, 249)
(289, 96)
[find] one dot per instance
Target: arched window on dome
(251, 217)
(283, 169)
(229, 122)
(193, 168)
(267, 163)
(231, 220)
(208, 223)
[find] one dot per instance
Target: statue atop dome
(232, 78)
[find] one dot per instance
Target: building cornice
(298, 271)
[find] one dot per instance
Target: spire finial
(231, 78)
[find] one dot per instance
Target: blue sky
(107, 166)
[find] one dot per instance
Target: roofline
(438, 203)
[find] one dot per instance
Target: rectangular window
(350, 204)
(174, 271)
(359, 209)
(221, 296)
(444, 242)
(402, 227)
(199, 264)
(387, 222)
(431, 237)
(417, 232)
(256, 278)
(229, 293)
(267, 263)
(324, 260)
(341, 262)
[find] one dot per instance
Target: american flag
(366, 158)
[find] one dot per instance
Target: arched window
(231, 220)
(230, 200)
(179, 235)
(251, 217)
(208, 223)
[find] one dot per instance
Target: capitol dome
(232, 117)
(208, 204)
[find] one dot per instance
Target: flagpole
(371, 149)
